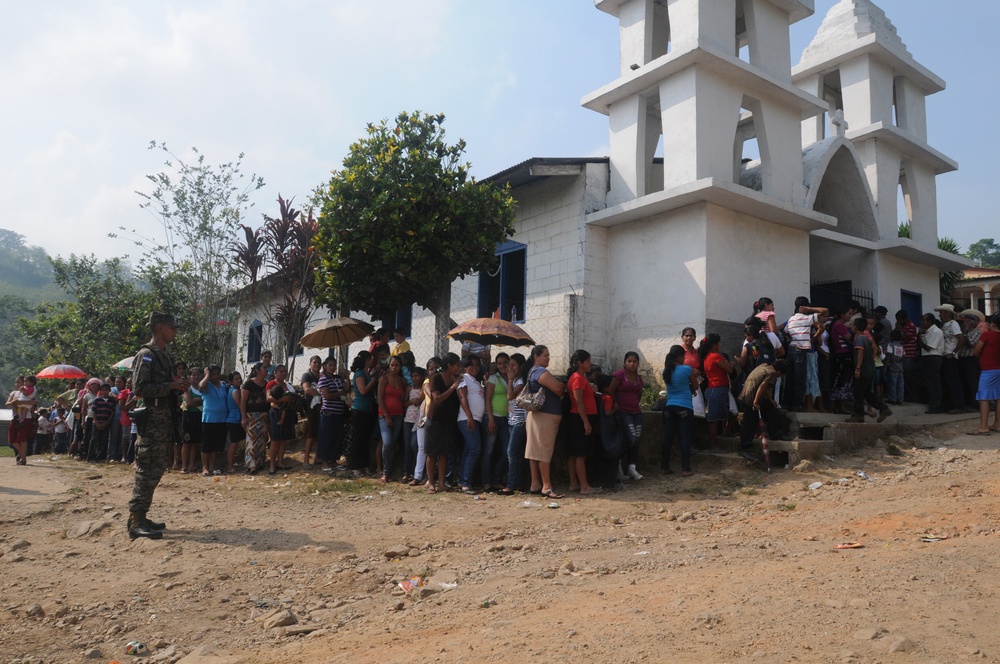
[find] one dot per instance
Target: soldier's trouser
(151, 454)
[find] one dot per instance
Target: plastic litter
(553, 505)
(815, 485)
(137, 648)
(863, 475)
(530, 503)
(410, 583)
(448, 586)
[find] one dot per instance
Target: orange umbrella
(491, 332)
(61, 371)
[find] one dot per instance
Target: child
(60, 427)
(612, 443)
(43, 437)
(277, 392)
(413, 472)
(895, 355)
(103, 412)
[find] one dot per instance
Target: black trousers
(930, 367)
(864, 390)
(950, 376)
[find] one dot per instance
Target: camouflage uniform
(152, 372)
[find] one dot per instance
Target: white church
(775, 180)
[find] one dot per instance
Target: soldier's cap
(167, 319)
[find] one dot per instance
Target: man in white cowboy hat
(950, 377)
(973, 322)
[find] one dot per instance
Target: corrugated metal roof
(521, 174)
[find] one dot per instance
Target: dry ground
(731, 565)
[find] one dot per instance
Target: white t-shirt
(952, 330)
(477, 399)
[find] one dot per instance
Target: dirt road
(731, 565)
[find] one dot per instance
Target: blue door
(913, 304)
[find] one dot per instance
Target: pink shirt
(628, 393)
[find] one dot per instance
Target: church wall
(656, 277)
(749, 258)
(896, 274)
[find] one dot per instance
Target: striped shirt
(333, 384)
(103, 409)
(799, 327)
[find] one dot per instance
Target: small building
(732, 175)
(979, 289)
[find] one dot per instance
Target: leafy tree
(985, 253)
(948, 281)
(284, 247)
(107, 318)
(19, 354)
(199, 208)
(404, 218)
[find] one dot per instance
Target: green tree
(199, 208)
(404, 218)
(284, 247)
(985, 253)
(25, 270)
(106, 319)
(948, 281)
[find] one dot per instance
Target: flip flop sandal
(980, 433)
(850, 545)
(552, 495)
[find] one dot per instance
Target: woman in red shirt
(717, 370)
(988, 351)
(583, 424)
(389, 396)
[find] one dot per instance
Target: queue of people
(457, 423)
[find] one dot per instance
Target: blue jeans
(518, 436)
(61, 443)
(409, 448)
(491, 465)
(470, 451)
(331, 437)
(391, 426)
(677, 421)
(894, 385)
(630, 426)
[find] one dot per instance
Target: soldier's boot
(138, 527)
(155, 525)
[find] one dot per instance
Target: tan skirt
(542, 429)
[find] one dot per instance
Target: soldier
(153, 381)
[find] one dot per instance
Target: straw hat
(973, 313)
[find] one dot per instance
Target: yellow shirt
(400, 348)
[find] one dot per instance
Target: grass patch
(748, 491)
(788, 507)
(6, 451)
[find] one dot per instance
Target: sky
(291, 85)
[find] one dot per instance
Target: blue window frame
(400, 319)
(505, 286)
(254, 344)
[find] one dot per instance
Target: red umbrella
(61, 371)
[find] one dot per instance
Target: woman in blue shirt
(214, 413)
(678, 414)
(363, 384)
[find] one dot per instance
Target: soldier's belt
(159, 401)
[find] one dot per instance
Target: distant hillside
(25, 280)
(25, 270)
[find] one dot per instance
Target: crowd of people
(481, 422)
